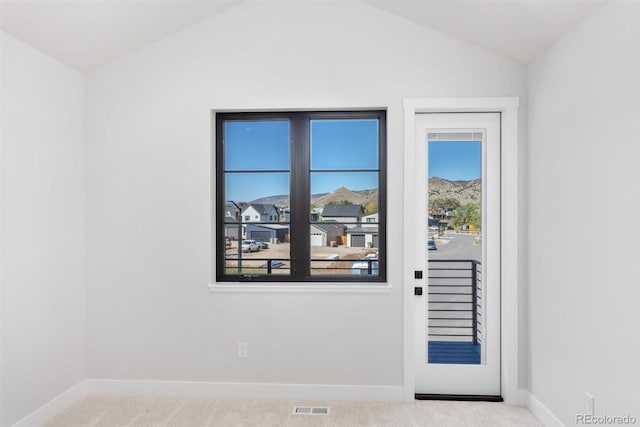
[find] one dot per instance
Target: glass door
(457, 246)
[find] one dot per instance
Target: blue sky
(335, 144)
(455, 160)
(264, 145)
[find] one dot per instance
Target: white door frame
(508, 107)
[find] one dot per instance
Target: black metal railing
(455, 300)
(259, 266)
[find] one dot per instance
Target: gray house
(267, 232)
(343, 213)
(323, 234)
(363, 237)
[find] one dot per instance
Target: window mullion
(300, 199)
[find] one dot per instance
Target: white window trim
(288, 287)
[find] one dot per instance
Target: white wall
(584, 237)
(42, 263)
(149, 155)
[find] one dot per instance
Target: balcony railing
(260, 266)
(455, 300)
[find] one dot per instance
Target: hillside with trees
(462, 199)
(465, 197)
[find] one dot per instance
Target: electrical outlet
(242, 350)
(589, 404)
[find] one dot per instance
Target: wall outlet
(242, 350)
(589, 404)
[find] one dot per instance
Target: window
(325, 171)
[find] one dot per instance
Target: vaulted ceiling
(87, 34)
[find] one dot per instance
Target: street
(459, 246)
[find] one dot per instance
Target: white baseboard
(245, 390)
(49, 410)
(541, 412)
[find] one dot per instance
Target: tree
(469, 214)
(370, 208)
(444, 203)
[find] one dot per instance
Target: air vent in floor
(311, 410)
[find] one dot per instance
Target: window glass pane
(332, 167)
(344, 234)
(344, 249)
(344, 144)
(345, 188)
(256, 145)
(259, 257)
(454, 251)
(257, 220)
(270, 187)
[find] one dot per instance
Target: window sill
(224, 287)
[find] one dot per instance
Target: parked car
(263, 245)
(431, 245)
(250, 246)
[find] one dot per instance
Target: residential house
(325, 233)
(285, 214)
(363, 237)
(370, 220)
(231, 217)
(316, 214)
(268, 232)
(256, 212)
(349, 215)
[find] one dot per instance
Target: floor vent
(311, 410)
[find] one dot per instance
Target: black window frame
(300, 195)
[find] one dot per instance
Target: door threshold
(459, 397)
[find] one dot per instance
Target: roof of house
(267, 226)
(328, 226)
(229, 207)
(362, 230)
(230, 212)
(262, 209)
(342, 211)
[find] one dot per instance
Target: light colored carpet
(101, 411)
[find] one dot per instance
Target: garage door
(357, 240)
(260, 236)
(375, 241)
(316, 239)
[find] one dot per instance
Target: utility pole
(239, 221)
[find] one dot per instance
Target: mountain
(338, 196)
(439, 188)
(463, 191)
(281, 200)
(361, 197)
